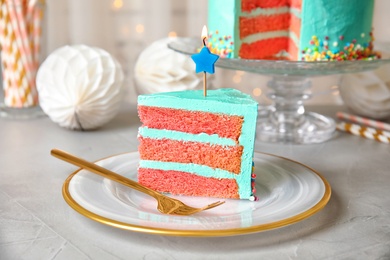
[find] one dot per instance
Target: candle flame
(204, 32)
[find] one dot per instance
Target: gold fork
(165, 204)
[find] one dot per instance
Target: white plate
(288, 192)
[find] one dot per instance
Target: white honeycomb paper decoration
(80, 87)
(160, 69)
(368, 93)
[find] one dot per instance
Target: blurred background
(125, 28)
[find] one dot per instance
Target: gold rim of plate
(200, 233)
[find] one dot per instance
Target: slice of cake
(291, 29)
(196, 145)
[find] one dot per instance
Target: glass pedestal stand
(286, 120)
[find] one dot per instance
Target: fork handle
(102, 171)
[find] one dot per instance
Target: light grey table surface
(36, 222)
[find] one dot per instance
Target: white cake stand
(287, 121)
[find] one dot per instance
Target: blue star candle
(204, 60)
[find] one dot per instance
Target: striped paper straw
(34, 17)
(4, 56)
(366, 132)
(19, 64)
(9, 56)
(363, 120)
(14, 70)
(15, 9)
(30, 20)
(19, 24)
(36, 22)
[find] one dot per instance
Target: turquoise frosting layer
(201, 170)
(181, 136)
(223, 101)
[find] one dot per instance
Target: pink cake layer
(249, 5)
(216, 156)
(263, 23)
(263, 49)
(296, 4)
(183, 183)
(295, 25)
(194, 122)
(292, 50)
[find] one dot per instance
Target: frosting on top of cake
(209, 103)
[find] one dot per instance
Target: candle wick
(204, 41)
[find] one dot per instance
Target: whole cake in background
(196, 145)
(306, 30)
